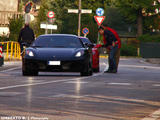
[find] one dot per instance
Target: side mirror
(89, 45)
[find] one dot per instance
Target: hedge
(149, 38)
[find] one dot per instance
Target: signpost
(99, 18)
(50, 14)
(47, 26)
(79, 11)
(82, 11)
(99, 11)
(85, 31)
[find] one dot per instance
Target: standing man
(111, 43)
(26, 36)
(117, 55)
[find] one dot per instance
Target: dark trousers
(24, 44)
(113, 65)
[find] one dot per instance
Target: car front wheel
(87, 71)
(29, 70)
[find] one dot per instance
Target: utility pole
(79, 19)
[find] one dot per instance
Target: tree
(67, 23)
(116, 20)
(15, 25)
(134, 10)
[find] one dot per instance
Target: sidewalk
(10, 64)
(153, 60)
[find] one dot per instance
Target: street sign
(72, 10)
(100, 11)
(51, 20)
(79, 12)
(82, 11)
(85, 31)
(48, 26)
(28, 7)
(99, 19)
(50, 14)
(86, 11)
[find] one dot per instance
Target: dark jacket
(26, 35)
(108, 38)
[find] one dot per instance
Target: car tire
(87, 70)
(29, 71)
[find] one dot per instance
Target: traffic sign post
(79, 11)
(48, 26)
(99, 19)
(85, 31)
(100, 11)
(50, 14)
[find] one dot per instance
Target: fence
(11, 50)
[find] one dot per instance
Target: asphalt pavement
(131, 94)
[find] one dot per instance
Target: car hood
(55, 53)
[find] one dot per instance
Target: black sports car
(59, 53)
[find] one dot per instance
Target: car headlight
(30, 53)
(79, 54)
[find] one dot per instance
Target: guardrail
(11, 50)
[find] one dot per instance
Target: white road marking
(154, 116)
(134, 66)
(43, 83)
(119, 84)
(156, 85)
(9, 94)
(11, 69)
(69, 96)
(137, 66)
(76, 82)
(40, 83)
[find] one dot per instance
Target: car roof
(83, 37)
(70, 35)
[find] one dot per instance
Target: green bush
(15, 25)
(149, 38)
(3, 38)
(128, 50)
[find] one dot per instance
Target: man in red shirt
(117, 55)
(112, 43)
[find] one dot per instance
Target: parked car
(57, 52)
(95, 54)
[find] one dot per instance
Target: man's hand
(98, 46)
(113, 44)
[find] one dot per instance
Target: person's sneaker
(114, 71)
(108, 71)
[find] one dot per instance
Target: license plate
(54, 63)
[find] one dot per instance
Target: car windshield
(57, 42)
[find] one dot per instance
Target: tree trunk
(140, 23)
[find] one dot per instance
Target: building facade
(8, 9)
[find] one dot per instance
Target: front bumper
(65, 66)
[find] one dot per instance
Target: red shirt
(116, 35)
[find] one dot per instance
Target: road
(131, 94)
